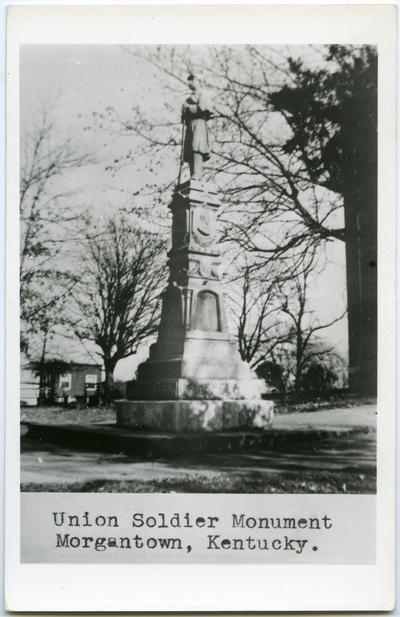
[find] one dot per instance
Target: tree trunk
(360, 197)
(299, 358)
(42, 372)
(297, 379)
(109, 366)
(361, 271)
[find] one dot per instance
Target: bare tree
(259, 326)
(118, 299)
(277, 331)
(303, 326)
(46, 324)
(50, 214)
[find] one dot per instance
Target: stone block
(196, 191)
(194, 416)
(195, 389)
(197, 358)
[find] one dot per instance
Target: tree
(304, 327)
(48, 372)
(277, 330)
(38, 334)
(118, 299)
(256, 310)
(50, 322)
(50, 218)
(332, 114)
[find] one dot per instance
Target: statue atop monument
(196, 111)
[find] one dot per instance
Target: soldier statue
(196, 111)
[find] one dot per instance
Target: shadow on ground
(339, 463)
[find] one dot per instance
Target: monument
(194, 378)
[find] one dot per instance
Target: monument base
(197, 389)
(194, 415)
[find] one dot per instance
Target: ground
(322, 451)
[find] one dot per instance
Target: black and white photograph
(198, 268)
(200, 308)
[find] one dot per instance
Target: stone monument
(194, 378)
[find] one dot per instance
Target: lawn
(344, 482)
(63, 415)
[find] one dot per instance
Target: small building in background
(78, 383)
(59, 382)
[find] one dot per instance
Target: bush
(318, 379)
(273, 375)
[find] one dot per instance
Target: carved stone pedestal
(194, 378)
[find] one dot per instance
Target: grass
(335, 401)
(304, 482)
(62, 415)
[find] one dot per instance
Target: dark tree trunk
(359, 137)
(109, 366)
(361, 271)
(360, 207)
(297, 379)
(299, 359)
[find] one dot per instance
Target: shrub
(273, 375)
(318, 379)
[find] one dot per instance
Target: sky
(77, 81)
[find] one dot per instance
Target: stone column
(194, 378)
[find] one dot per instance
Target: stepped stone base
(194, 415)
(198, 356)
(199, 389)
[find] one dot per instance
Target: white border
(106, 588)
